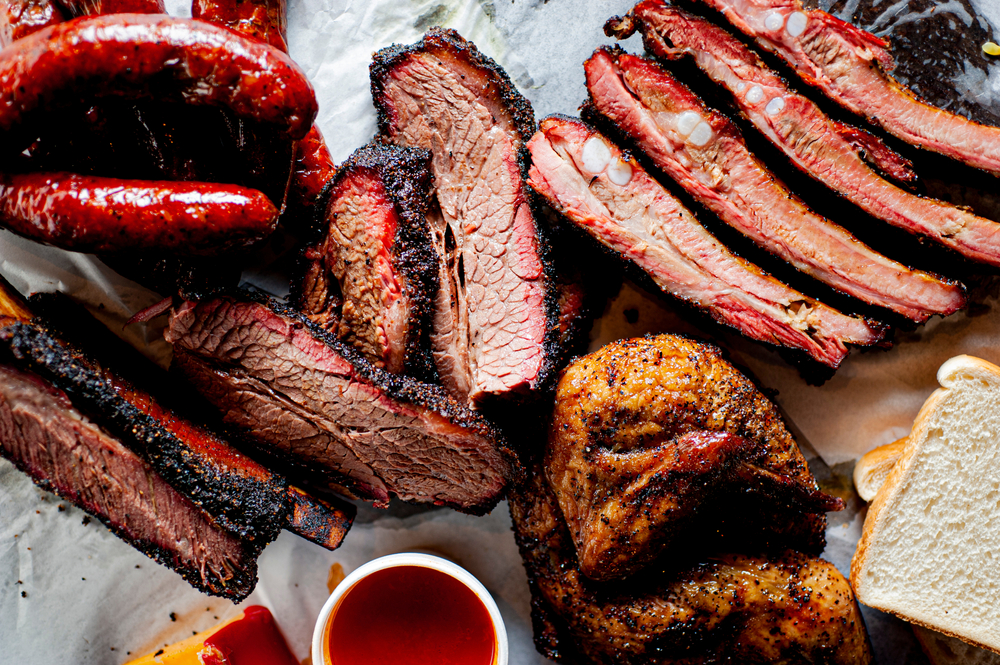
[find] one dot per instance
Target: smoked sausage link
(109, 215)
(264, 20)
(158, 57)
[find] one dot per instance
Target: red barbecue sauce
(410, 615)
(252, 640)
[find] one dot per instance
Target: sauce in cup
(411, 615)
(410, 609)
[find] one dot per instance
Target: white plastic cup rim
(409, 559)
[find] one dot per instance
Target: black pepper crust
(243, 578)
(409, 183)
(396, 386)
(521, 121)
(250, 508)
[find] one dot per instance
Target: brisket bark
(607, 194)
(825, 149)
(64, 452)
(371, 276)
(300, 392)
(495, 317)
(851, 66)
(705, 153)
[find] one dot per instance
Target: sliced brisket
(442, 95)
(606, 193)
(64, 452)
(298, 390)
(371, 276)
(705, 153)
(851, 66)
(825, 149)
(322, 522)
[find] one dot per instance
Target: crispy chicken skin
(650, 435)
(789, 608)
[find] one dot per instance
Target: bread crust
(960, 365)
(872, 469)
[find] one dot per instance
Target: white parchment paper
(72, 593)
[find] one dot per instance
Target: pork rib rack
(610, 196)
(308, 398)
(497, 309)
(851, 67)
(371, 276)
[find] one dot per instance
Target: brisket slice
(851, 66)
(242, 496)
(64, 452)
(297, 389)
(370, 277)
(704, 152)
(442, 95)
(820, 146)
(608, 194)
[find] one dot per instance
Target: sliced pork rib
(442, 95)
(66, 453)
(300, 392)
(851, 66)
(823, 148)
(705, 153)
(607, 194)
(371, 277)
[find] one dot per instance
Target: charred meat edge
(523, 121)
(395, 386)
(407, 181)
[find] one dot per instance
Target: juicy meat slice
(789, 608)
(704, 152)
(612, 198)
(22, 17)
(64, 452)
(298, 390)
(851, 67)
(263, 20)
(240, 495)
(442, 95)
(825, 149)
(107, 215)
(371, 276)
(153, 56)
(646, 432)
(322, 522)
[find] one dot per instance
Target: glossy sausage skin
(20, 18)
(108, 215)
(76, 8)
(313, 171)
(263, 20)
(154, 56)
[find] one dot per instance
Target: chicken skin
(652, 437)
(730, 608)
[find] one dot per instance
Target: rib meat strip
(300, 392)
(821, 147)
(442, 95)
(610, 196)
(851, 66)
(704, 152)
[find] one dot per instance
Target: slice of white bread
(930, 549)
(874, 467)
